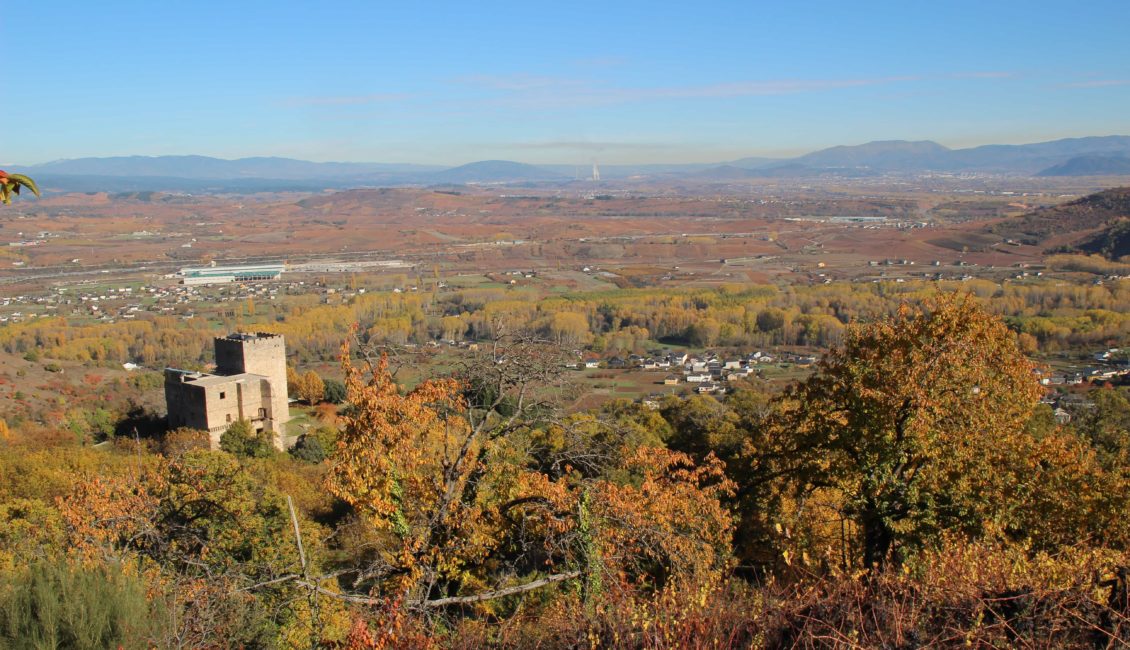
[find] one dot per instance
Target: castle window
(222, 394)
(262, 413)
(229, 417)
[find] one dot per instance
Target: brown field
(646, 240)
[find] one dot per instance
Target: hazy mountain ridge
(1090, 165)
(487, 171)
(118, 184)
(1040, 154)
(204, 167)
(926, 155)
(883, 154)
(1072, 156)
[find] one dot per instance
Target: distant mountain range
(203, 167)
(925, 156)
(1106, 155)
(882, 155)
(492, 170)
(1090, 165)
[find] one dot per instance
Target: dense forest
(911, 491)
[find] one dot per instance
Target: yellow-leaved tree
(311, 387)
(914, 426)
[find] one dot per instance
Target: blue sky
(569, 82)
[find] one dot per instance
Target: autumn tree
(569, 328)
(701, 425)
(470, 500)
(293, 381)
(912, 426)
(182, 440)
(311, 388)
(1106, 427)
(704, 332)
(594, 444)
(771, 319)
(416, 468)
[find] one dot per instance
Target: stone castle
(249, 384)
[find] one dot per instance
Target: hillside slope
(1096, 223)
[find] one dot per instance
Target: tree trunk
(877, 538)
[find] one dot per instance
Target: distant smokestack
(595, 172)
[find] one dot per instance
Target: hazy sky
(452, 82)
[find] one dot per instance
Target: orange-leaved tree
(421, 470)
(464, 508)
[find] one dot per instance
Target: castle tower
(259, 354)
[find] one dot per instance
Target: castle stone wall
(249, 384)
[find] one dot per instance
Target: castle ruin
(249, 384)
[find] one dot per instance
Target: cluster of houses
(1113, 364)
(12, 308)
(27, 240)
(1066, 405)
(708, 372)
(109, 304)
(174, 300)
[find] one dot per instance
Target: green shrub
(335, 392)
(65, 606)
(309, 449)
(241, 440)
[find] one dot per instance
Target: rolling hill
(1096, 223)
